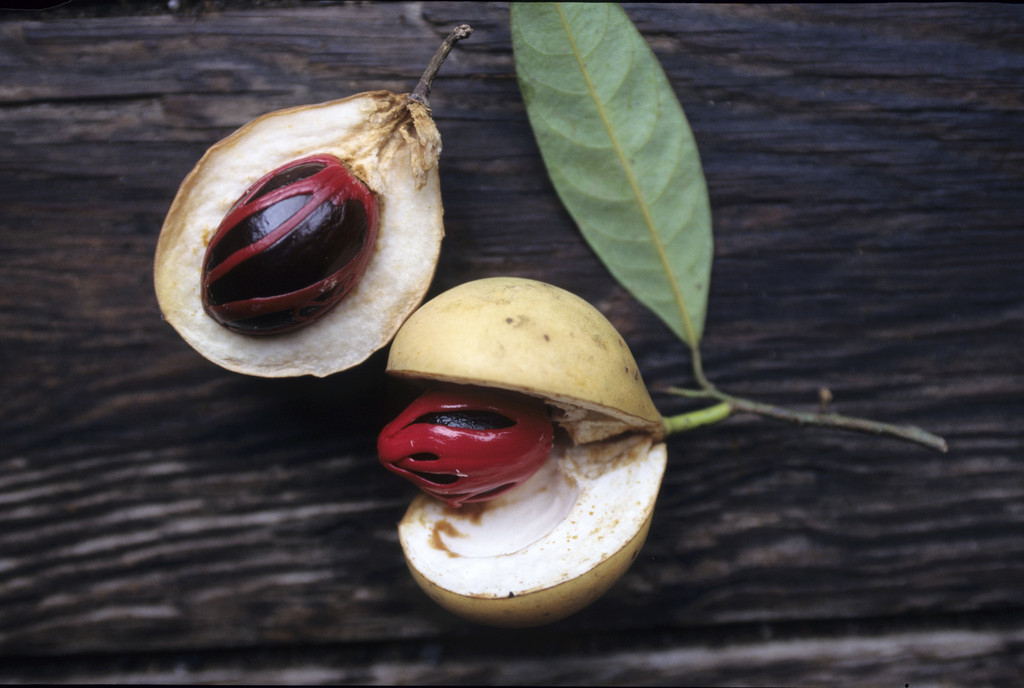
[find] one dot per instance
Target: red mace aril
(292, 247)
(464, 444)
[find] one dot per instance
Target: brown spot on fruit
(443, 528)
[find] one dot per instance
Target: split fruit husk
(555, 544)
(390, 142)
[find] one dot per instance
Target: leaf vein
(631, 177)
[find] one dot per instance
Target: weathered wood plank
(865, 170)
(932, 658)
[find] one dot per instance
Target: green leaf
(619, 152)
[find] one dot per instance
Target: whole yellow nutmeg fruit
(550, 546)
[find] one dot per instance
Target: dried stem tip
(422, 91)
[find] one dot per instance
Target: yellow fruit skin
(530, 337)
(538, 607)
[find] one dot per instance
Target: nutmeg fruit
(389, 143)
(552, 545)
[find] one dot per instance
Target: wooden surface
(166, 520)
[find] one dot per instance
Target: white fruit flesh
(388, 142)
(546, 549)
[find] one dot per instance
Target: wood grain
(166, 520)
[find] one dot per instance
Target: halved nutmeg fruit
(301, 242)
(499, 536)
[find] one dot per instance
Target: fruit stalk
(421, 93)
(728, 405)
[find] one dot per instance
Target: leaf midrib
(645, 210)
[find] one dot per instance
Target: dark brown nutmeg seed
(291, 248)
